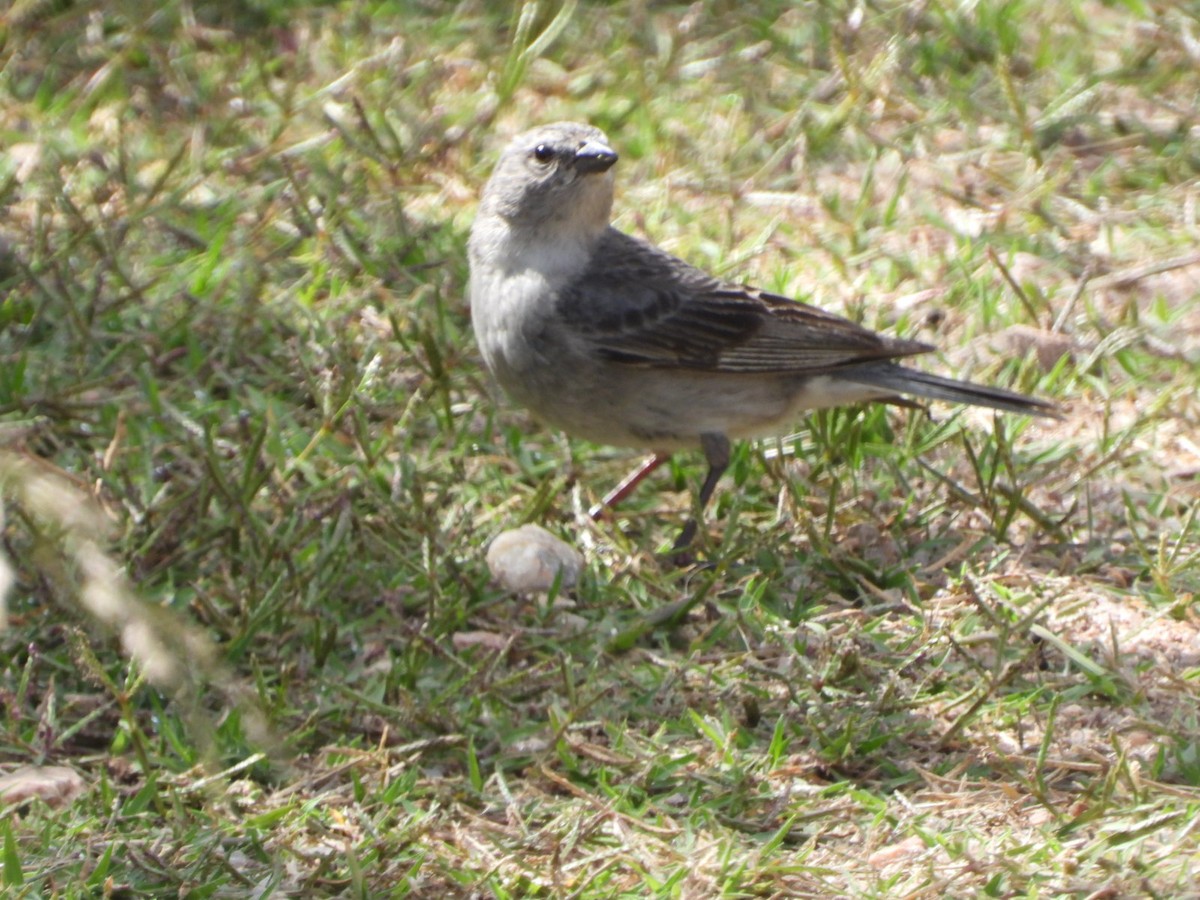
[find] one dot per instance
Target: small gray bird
(615, 341)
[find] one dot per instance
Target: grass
(250, 462)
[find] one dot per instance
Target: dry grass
(250, 461)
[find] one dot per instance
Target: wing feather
(641, 306)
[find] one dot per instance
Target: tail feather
(934, 387)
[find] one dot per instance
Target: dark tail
(933, 387)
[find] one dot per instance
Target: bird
(607, 337)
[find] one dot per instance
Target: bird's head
(555, 176)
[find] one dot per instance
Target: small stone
(904, 851)
(527, 560)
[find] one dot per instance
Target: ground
(251, 463)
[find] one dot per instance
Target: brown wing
(640, 306)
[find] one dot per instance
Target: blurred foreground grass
(935, 656)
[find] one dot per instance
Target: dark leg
(716, 451)
(631, 481)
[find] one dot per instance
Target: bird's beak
(594, 157)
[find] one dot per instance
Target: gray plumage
(613, 340)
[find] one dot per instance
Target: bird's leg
(631, 481)
(716, 451)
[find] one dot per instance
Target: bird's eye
(543, 153)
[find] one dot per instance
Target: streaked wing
(640, 306)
